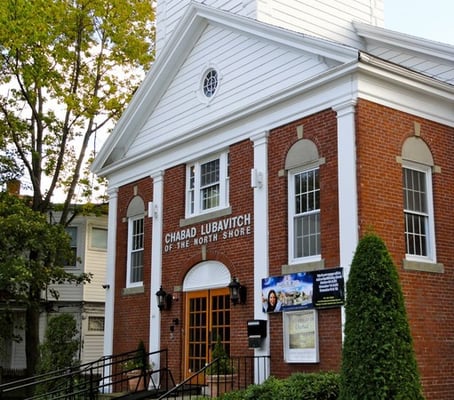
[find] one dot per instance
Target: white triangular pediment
(250, 70)
(256, 63)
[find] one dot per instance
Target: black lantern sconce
(164, 299)
(237, 292)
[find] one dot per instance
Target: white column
(259, 183)
(348, 198)
(110, 278)
(156, 264)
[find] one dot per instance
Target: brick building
(265, 140)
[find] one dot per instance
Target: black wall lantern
(237, 292)
(164, 299)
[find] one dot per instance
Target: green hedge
(299, 386)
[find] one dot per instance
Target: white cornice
(240, 113)
(381, 71)
(406, 76)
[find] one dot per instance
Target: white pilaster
(110, 277)
(261, 247)
(156, 263)
(348, 195)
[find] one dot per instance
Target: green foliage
(60, 346)
(30, 248)
(58, 351)
(69, 68)
(298, 386)
(378, 360)
(138, 360)
(223, 365)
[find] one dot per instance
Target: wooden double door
(207, 318)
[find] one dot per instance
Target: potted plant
(220, 374)
(136, 368)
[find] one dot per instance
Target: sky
(430, 19)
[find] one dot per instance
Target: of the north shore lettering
(225, 228)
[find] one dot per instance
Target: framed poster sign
(301, 336)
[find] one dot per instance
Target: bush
(299, 386)
(223, 365)
(61, 344)
(378, 360)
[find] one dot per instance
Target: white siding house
(84, 302)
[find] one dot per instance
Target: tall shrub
(61, 344)
(378, 360)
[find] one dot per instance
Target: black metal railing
(210, 382)
(88, 381)
(109, 375)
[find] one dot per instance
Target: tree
(378, 360)
(31, 256)
(68, 69)
(60, 345)
(58, 351)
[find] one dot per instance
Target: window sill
(409, 265)
(203, 217)
(133, 290)
(303, 267)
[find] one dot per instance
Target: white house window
(207, 185)
(135, 251)
(72, 232)
(98, 238)
(418, 213)
(304, 215)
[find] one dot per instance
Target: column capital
(344, 108)
(157, 175)
(260, 138)
(112, 192)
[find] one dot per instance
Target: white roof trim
(401, 40)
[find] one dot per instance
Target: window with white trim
(418, 212)
(207, 185)
(98, 238)
(135, 250)
(304, 215)
(72, 232)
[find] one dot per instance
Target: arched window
(302, 164)
(417, 164)
(135, 215)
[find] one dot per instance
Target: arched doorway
(207, 312)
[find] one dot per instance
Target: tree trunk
(32, 338)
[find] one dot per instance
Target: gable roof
(394, 52)
(195, 21)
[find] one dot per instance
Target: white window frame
(430, 229)
(91, 245)
(131, 221)
(291, 216)
(193, 192)
(76, 246)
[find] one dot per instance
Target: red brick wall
(132, 311)
(380, 134)
(321, 128)
(429, 297)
